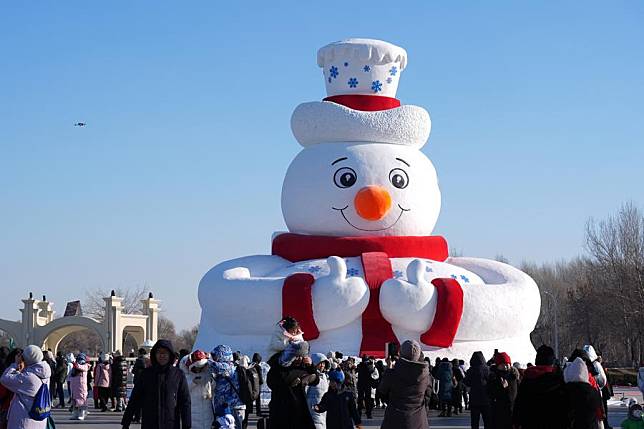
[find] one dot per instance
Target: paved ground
(111, 420)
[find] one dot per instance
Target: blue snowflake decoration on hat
(465, 279)
(376, 86)
(333, 71)
(346, 64)
(388, 80)
(353, 82)
(366, 69)
(393, 71)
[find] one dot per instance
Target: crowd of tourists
(221, 388)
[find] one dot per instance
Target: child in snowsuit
(339, 404)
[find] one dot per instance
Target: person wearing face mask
(161, 392)
(634, 419)
(502, 391)
(314, 392)
(196, 368)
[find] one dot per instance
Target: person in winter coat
(78, 386)
(541, 398)
(196, 368)
(457, 391)
(315, 392)
(634, 419)
(339, 404)
(256, 366)
(24, 378)
(367, 379)
(288, 408)
(476, 379)
(102, 379)
(70, 359)
(502, 390)
(583, 400)
(350, 375)
(408, 388)
(118, 380)
(161, 393)
(58, 379)
(142, 361)
(445, 377)
(227, 387)
(379, 400)
(5, 394)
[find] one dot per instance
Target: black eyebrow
(342, 159)
(404, 162)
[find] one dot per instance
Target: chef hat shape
(361, 78)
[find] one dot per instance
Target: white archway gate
(38, 325)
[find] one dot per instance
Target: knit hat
(316, 358)
(81, 358)
(410, 350)
(222, 353)
(576, 372)
(501, 358)
(31, 355)
(545, 356)
(336, 375)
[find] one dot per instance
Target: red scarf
(375, 253)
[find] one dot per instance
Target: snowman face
(360, 189)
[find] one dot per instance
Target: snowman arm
(507, 304)
(241, 288)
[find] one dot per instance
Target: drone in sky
(80, 124)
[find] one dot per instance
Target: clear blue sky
(537, 116)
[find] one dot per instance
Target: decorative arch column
(151, 308)
(112, 321)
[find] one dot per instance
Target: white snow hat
(32, 354)
(362, 66)
(361, 78)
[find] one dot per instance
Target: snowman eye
(345, 177)
(398, 178)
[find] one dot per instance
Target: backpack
(253, 376)
(41, 407)
(247, 393)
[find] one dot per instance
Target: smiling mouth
(402, 210)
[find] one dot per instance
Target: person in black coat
(476, 379)
(118, 380)
(502, 390)
(58, 378)
(339, 404)
(288, 408)
(541, 398)
(457, 391)
(584, 401)
(257, 367)
(367, 378)
(161, 393)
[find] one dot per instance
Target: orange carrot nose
(372, 202)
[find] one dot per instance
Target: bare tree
(94, 306)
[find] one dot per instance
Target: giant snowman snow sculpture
(359, 267)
